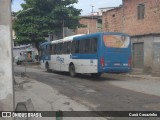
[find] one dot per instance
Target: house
(141, 20)
(92, 24)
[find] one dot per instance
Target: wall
(112, 20)
(151, 62)
(90, 23)
(151, 21)
(125, 19)
(6, 75)
(145, 31)
(147, 41)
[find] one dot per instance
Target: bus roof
(57, 41)
(100, 33)
(69, 38)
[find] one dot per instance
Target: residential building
(141, 20)
(92, 24)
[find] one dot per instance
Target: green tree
(41, 17)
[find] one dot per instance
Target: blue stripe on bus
(84, 56)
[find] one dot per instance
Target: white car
(19, 59)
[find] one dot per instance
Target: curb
(141, 76)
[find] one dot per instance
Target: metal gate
(138, 55)
(156, 56)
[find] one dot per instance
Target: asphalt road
(97, 93)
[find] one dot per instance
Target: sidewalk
(138, 73)
(41, 97)
(139, 82)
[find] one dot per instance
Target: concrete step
(137, 71)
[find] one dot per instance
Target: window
(116, 41)
(64, 48)
(141, 11)
(82, 46)
(57, 48)
(60, 48)
(75, 47)
(99, 23)
(68, 47)
(47, 49)
(54, 49)
(85, 46)
(51, 51)
(93, 45)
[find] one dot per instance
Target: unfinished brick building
(141, 20)
(92, 24)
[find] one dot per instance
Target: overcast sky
(85, 5)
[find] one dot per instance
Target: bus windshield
(116, 41)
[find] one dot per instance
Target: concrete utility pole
(92, 19)
(6, 75)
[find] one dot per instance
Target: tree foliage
(41, 17)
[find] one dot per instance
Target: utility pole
(63, 28)
(6, 69)
(92, 18)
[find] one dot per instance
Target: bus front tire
(72, 70)
(47, 67)
(96, 75)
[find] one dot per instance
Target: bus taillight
(129, 62)
(102, 61)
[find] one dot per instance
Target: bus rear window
(116, 41)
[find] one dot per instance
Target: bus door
(47, 52)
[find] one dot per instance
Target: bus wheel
(96, 75)
(47, 67)
(72, 70)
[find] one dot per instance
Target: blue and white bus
(107, 52)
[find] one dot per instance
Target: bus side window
(43, 50)
(93, 45)
(73, 47)
(51, 47)
(77, 48)
(47, 50)
(87, 45)
(60, 48)
(82, 46)
(64, 48)
(68, 47)
(57, 48)
(54, 49)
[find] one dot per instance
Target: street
(106, 93)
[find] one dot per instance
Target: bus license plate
(117, 64)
